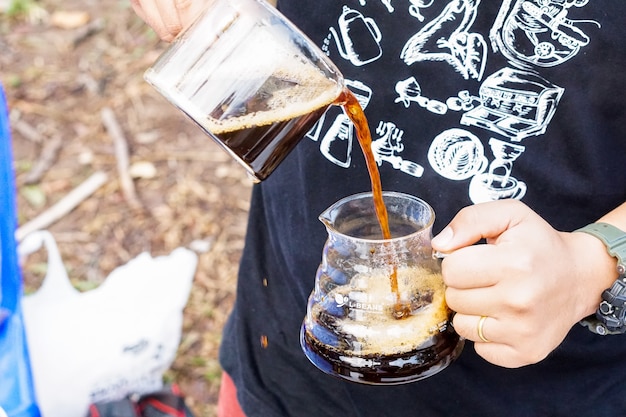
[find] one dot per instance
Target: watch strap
(610, 317)
(612, 237)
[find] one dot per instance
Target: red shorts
(227, 404)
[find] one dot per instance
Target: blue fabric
(17, 396)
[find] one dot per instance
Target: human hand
(168, 17)
(530, 281)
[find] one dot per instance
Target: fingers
(149, 13)
(490, 337)
(136, 5)
(503, 289)
(182, 13)
(480, 221)
(461, 269)
(504, 355)
(157, 16)
(168, 17)
(474, 302)
(473, 327)
(171, 23)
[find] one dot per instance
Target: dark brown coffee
(265, 119)
(263, 148)
(435, 354)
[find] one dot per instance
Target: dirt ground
(65, 66)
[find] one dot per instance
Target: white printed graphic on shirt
(388, 146)
(358, 39)
(416, 6)
(386, 3)
(448, 38)
(409, 91)
(457, 154)
(538, 33)
(497, 183)
(515, 103)
(336, 144)
(511, 105)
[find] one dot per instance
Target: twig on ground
(63, 206)
(46, 159)
(121, 154)
(90, 29)
(27, 131)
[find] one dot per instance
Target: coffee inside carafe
(354, 111)
(352, 329)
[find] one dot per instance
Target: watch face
(612, 311)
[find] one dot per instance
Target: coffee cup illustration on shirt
(358, 39)
(489, 187)
(497, 183)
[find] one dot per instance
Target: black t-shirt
(467, 101)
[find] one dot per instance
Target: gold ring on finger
(481, 323)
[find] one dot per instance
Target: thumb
(480, 221)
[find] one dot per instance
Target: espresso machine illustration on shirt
(515, 103)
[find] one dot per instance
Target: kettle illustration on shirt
(358, 39)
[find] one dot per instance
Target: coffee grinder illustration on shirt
(512, 104)
(538, 33)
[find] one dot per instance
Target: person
(508, 118)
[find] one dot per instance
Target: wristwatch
(610, 317)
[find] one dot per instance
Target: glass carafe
(250, 79)
(377, 314)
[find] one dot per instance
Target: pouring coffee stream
(354, 111)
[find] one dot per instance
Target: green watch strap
(610, 318)
(612, 237)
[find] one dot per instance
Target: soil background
(65, 63)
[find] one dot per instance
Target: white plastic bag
(109, 342)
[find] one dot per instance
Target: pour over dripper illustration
(353, 328)
(336, 145)
(497, 183)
